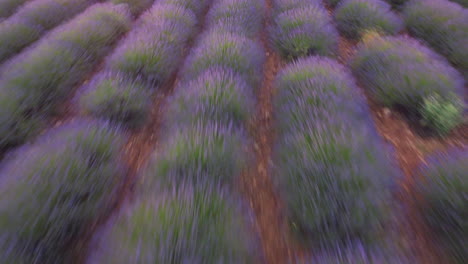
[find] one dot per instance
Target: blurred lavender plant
(327, 165)
(153, 52)
(444, 189)
(113, 97)
(398, 71)
(53, 190)
(354, 17)
(226, 50)
(463, 3)
(40, 78)
(9, 7)
(238, 16)
(135, 6)
(443, 25)
(201, 152)
(33, 20)
(280, 6)
(305, 30)
(217, 95)
(196, 6)
(189, 226)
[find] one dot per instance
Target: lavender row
(9, 7)
(33, 20)
(354, 17)
(195, 219)
(444, 188)
(443, 25)
(301, 28)
(54, 190)
(144, 62)
(136, 6)
(399, 71)
(35, 83)
(331, 166)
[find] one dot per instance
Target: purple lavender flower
(444, 189)
(9, 7)
(400, 71)
(303, 31)
(217, 95)
(226, 50)
(194, 153)
(354, 17)
(54, 189)
(40, 78)
(195, 225)
(328, 156)
(238, 16)
(442, 25)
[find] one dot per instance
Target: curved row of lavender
(9, 7)
(332, 168)
(183, 214)
(54, 190)
(354, 17)
(35, 82)
(443, 25)
(399, 71)
(141, 65)
(33, 20)
(301, 28)
(444, 188)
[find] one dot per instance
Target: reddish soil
(256, 183)
(411, 147)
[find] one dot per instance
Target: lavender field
(233, 131)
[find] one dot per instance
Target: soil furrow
(256, 183)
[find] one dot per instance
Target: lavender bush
(217, 95)
(111, 96)
(327, 165)
(196, 6)
(444, 189)
(135, 6)
(226, 50)
(33, 20)
(398, 71)
(54, 189)
(198, 152)
(40, 78)
(356, 16)
(463, 3)
(280, 6)
(239, 16)
(303, 31)
(153, 52)
(9, 7)
(443, 25)
(190, 225)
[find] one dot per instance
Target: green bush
(442, 115)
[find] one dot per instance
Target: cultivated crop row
(54, 190)
(8, 7)
(443, 25)
(34, 83)
(33, 20)
(302, 28)
(332, 170)
(186, 212)
(400, 72)
(145, 61)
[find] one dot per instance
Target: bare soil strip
(411, 148)
(256, 183)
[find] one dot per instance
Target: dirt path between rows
(410, 150)
(256, 183)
